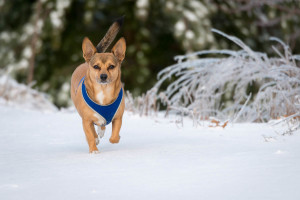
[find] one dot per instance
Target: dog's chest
(102, 95)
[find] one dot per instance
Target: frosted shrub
(219, 85)
(146, 104)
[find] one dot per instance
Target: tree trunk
(34, 39)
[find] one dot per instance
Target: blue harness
(106, 111)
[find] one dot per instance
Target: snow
(142, 6)
(179, 27)
(19, 95)
(55, 20)
(45, 156)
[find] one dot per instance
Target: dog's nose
(103, 77)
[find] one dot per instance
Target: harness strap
(79, 84)
(106, 111)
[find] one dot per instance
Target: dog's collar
(106, 111)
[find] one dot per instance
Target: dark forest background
(40, 41)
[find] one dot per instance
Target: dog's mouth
(103, 82)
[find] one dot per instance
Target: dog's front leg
(116, 126)
(90, 133)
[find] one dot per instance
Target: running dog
(96, 88)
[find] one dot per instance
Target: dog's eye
(96, 67)
(111, 67)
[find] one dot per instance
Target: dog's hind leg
(101, 131)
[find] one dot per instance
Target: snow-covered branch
(220, 84)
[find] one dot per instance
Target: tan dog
(101, 76)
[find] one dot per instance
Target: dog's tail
(110, 35)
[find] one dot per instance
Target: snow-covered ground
(45, 156)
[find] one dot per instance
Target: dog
(96, 88)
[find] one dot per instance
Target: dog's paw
(114, 140)
(95, 152)
(100, 131)
(97, 141)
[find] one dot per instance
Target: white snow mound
(19, 95)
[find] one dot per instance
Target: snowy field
(45, 156)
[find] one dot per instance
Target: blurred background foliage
(40, 40)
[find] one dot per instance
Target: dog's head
(104, 68)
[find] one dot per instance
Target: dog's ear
(119, 49)
(88, 49)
